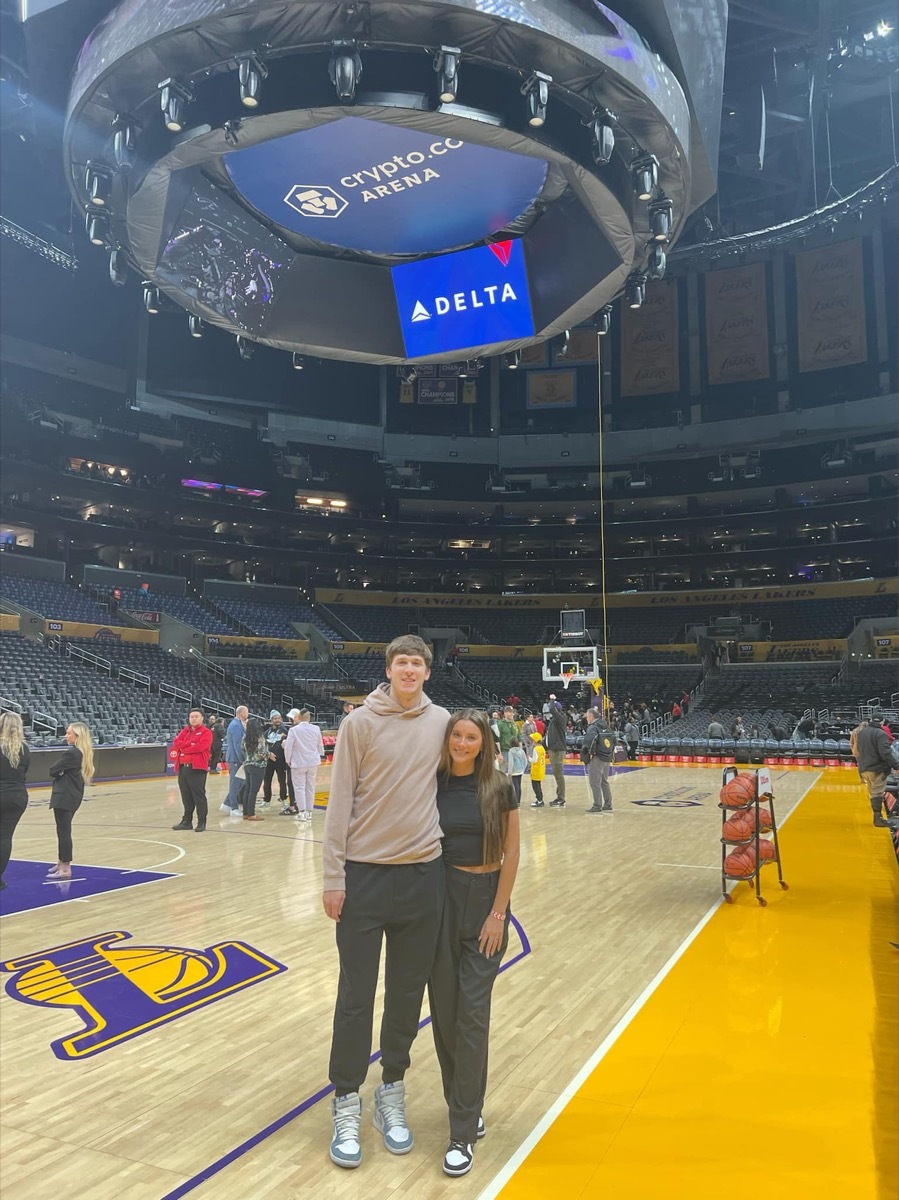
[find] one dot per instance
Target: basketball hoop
(567, 677)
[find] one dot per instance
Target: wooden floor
(229, 1099)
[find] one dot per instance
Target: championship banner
(736, 324)
(534, 356)
(581, 348)
(100, 633)
(551, 389)
(830, 306)
(437, 391)
(650, 358)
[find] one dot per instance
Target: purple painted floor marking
(28, 888)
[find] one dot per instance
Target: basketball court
(166, 1015)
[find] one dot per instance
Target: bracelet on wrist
(498, 916)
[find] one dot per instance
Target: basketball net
(567, 677)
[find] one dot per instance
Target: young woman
(70, 772)
(478, 812)
(255, 749)
(15, 759)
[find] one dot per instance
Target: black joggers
(402, 904)
(192, 785)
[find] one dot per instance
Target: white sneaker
(346, 1146)
(225, 808)
(457, 1160)
(390, 1117)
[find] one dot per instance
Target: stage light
(151, 298)
(245, 347)
(604, 320)
(124, 142)
(884, 29)
(345, 70)
(536, 89)
(97, 226)
(408, 374)
(645, 174)
(118, 268)
(635, 290)
(512, 360)
(602, 138)
(98, 185)
(195, 325)
(657, 262)
(446, 64)
(251, 71)
(297, 361)
(660, 216)
(563, 341)
(174, 98)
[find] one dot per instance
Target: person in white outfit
(303, 752)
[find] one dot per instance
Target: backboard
(559, 660)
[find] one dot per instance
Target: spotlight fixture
(151, 298)
(118, 268)
(446, 64)
(97, 226)
(297, 361)
(174, 98)
(604, 320)
(635, 290)
(536, 89)
(98, 185)
(660, 217)
(470, 368)
(645, 174)
(345, 70)
(195, 325)
(230, 130)
(251, 71)
(408, 374)
(124, 142)
(512, 360)
(562, 343)
(245, 347)
(657, 262)
(602, 138)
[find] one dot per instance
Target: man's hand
(332, 903)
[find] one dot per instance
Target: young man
(507, 730)
(234, 757)
(276, 765)
(190, 753)
(303, 752)
(556, 745)
(597, 751)
(383, 876)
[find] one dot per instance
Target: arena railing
(177, 693)
(218, 706)
(135, 677)
(88, 656)
(43, 721)
(7, 705)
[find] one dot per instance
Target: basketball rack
(763, 791)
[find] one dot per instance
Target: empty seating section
(164, 667)
(273, 620)
(503, 627)
(182, 608)
(54, 600)
(369, 669)
(374, 623)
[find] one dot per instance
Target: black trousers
(274, 767)
(537, 785)
(253, 773)
(402, 904)
(10, 814)
(63, 818)
(192, 785)
(459, 992)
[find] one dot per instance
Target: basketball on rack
(739, 863)
(738, 828)
(738, 792)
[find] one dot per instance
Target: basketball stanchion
(745, 826)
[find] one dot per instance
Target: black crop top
(461, 820)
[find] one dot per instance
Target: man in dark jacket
(556, 729)
(597, 752)
(871, 748)
(217, 727)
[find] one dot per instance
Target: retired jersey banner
(650, 362)
(736, 324)
(830, 306)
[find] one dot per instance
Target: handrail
(137, 677)
(241, 681)
(10, 705)
(44, 720)
(218, 706)
(104, 664)
(177, 693)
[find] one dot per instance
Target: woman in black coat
(15, 758)
(71, 771)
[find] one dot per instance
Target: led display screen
(385, 189)
(463, 300)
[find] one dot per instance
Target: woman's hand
(491, 936)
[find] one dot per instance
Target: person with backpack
(871, 751)
(597, 751)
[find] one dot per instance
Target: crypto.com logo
(315, 200)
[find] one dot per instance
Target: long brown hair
(493, 787)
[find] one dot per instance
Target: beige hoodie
(382, 806)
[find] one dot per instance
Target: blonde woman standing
(71, 771)
(15, 758)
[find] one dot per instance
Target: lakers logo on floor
(122, 991)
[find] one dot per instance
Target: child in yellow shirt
(538, 770)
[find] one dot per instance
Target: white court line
(690, 866)
(555, 1110)
(77, 899)
(150, 842)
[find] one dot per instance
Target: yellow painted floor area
(765, 1064)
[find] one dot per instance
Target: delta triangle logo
(503, 251)
(420, 313)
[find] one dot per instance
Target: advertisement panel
(144, 615)
(383, 188)
(461, 300)
(650, 359)
(830, 306)
(10, 622)
(100, 633)
(736, 324)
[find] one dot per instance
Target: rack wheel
(762, 901)
(785, 886)
(728, 898)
